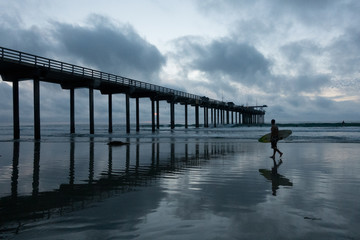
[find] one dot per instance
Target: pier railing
(54, 65)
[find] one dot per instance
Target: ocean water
(213, 183)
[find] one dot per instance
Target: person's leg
(276, 149)
(273, 146)
(273, 156)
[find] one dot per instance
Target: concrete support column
(72, 110)
(127, 113)
(222, 116)
(220, 119)
(207, 117)
(172, 115)
(16, 118)
(212, 116)
(37, 108)
(197, 116)
(91, 110)
(137, 115)
(186, 115)
(204, 117)
(110, 130)
(215, 117)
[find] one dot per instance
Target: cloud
(304, 12)
(113, 48)
(228, 57)
(220, 65)
(345, 51)
(13, 35)
(299, 55)
(100, 43)
(304, 84)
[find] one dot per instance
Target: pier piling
(72, 110)
(16, 118)
(36, 108)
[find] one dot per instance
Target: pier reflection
(144, 164)
(15, 172)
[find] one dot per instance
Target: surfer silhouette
(274, 138)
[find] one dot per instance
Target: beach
(182, 184)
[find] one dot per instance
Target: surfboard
(282, 134)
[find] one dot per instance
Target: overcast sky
(300, 57)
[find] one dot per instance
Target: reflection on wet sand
(275, 178)
(17, 210)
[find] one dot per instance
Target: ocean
(205, 183)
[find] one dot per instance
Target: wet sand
(178, 189)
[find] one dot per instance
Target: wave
(326, 125)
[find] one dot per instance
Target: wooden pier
(17, 66)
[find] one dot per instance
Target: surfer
(274, 138)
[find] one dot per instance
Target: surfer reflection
(275, 178)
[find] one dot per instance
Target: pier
(17, 66)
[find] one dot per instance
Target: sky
(301, 58)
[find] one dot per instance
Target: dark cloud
(300, 54)
(322, 13)
(223, 61)
(304, 84)
(13, 35)
(228, 57)
(345, 52)
(102, 44)
(115, 49)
